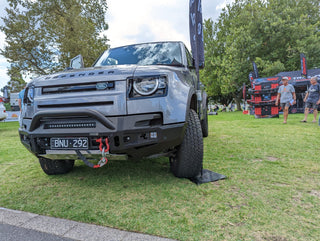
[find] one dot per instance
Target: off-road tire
(55, 167)
(187, 161)
(204, 124)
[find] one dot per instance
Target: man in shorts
(287, 96)
(20, 101)
(312, 99)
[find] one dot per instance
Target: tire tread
(189, 156)
(55, 167)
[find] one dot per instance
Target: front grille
(53, 105)
(108, 85)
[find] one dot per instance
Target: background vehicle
(136, 101)
(14, 101)
(3, 113)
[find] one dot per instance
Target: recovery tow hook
(103, 147)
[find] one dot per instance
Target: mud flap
(207, 176)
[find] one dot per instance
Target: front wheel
(187, 161)
(54, 167)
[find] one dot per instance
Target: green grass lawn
(272, 191)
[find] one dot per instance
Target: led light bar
(70, 125)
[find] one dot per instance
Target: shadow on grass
(136, 172)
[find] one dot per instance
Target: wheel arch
(192, 103)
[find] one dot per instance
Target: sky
(139, 21)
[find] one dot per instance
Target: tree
(43, 35)
(271, 32)
(16, 82)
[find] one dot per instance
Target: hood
(156, 69)
(86, 75)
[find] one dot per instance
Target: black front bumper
(134, 135)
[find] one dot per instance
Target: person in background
(287, 96)
(231, 107)
(20, 102)
(312, 100)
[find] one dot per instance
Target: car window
(189, 58)
(168, 53)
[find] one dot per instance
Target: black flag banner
(303, 65)
(196, 32)
(255, 70)
(197, 48)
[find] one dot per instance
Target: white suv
(3, 113)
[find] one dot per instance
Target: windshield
(168, 53)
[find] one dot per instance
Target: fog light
(153, 135)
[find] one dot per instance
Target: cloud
(223, 4)
(4, 78)
(2, 40)
(3, 4)
(143, 21)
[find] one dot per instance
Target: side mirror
(77, 62)
(201, 65)
(111, 61)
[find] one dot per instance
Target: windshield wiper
(173, 64)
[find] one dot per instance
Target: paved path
(24, 226)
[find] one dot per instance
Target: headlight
(29, 95)
(146, 86)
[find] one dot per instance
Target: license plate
(69, 143)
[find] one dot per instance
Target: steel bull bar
(63, 113)
(77, 154)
